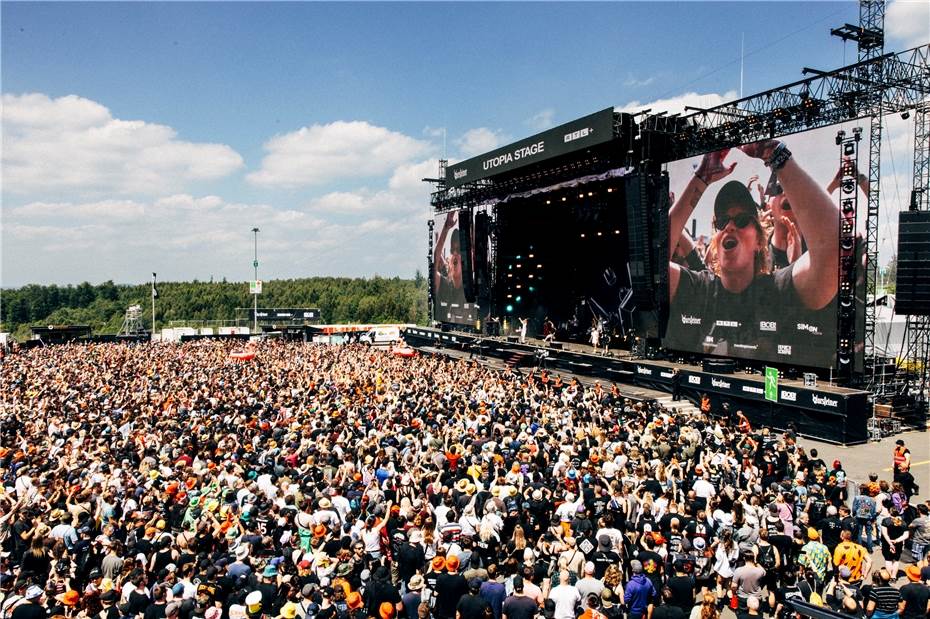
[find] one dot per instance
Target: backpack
(809, 594)
(9, 605)
(767, 557)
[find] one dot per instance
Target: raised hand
(793, 237)
(760, 150)
(712, 168)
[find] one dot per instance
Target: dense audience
(338, 482)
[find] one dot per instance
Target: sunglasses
(740, 220)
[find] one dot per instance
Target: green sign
(771, 384)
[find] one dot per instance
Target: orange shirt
(852, 555)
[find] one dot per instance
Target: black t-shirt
(519, 607)
(766, 320)
(831, 528)
(668, 612)
(652, 567)
(602, 560)
(682, 588)
(449, 590)
(410, 558)
(155, 611)
(378, 592)
(915, 595)
(29, 611)
(785, 547)
(473, 607)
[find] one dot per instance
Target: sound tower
(647, 234)
(482, 236)
(637, 217)
(465, 247)
(913, 277)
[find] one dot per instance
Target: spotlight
(905, 115)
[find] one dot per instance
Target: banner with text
(575, 135)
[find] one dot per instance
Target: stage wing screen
(449, 270)
(754, 255)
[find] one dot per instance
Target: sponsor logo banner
(585, 132)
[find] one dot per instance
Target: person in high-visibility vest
(902, 459)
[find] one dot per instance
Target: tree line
(103, 306)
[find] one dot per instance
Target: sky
(153, 137)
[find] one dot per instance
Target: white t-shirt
(704, 488)
(566, 597)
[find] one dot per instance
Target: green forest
(103, 306)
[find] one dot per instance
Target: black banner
(752, 389)
(286, 314)
(575, 135)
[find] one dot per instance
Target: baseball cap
(734, 194)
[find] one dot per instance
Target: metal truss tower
(917, 350)
(870, 38)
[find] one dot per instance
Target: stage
(826, 412)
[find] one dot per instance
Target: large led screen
(451, 265)
(754, 249)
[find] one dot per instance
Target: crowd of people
(342, 482)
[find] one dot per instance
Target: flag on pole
(154, 289)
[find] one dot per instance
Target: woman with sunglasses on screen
(741, 306)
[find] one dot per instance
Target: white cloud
(408, 178)
(321, 153)
(406, 193)
(632, 81)
(676, 105)
(542, 120)
(72, 144)
(434, 132)
(908, 22)
(480, 140)
(120, 209)
(183, 237)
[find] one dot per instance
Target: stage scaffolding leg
(917, 351)
(871, 46)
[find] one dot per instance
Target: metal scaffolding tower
(917, 333)
(870, 38)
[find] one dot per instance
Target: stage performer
(741, 307)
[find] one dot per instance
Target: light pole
(255, 231)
